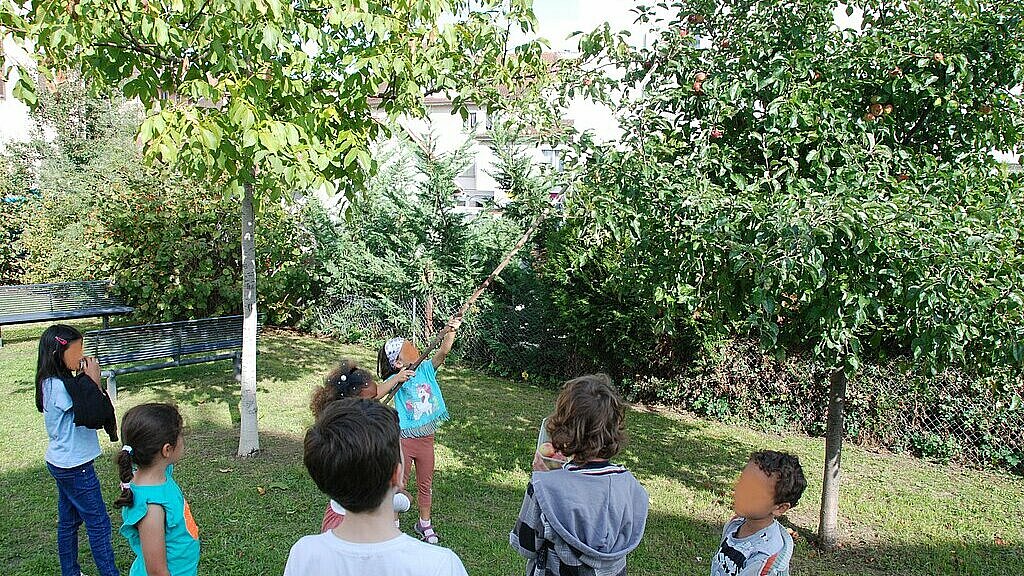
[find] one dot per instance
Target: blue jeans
(79, 499)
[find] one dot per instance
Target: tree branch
(196, 16)
(917, 125)
(141, 49)
(138, 46)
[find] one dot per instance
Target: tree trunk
(835, 428)
(248, 438)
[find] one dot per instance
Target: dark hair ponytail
(145, 430)
(52, 345)
(125, 473)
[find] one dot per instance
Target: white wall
(14, 118)
(451, 132)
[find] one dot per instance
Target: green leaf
(352, 157)
(249, 138)
(146, 130)
(271, 36)
(210, 138)
(160, 32)
(24, 90)
(269, 140)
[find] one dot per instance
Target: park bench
(63, 301)
(165, 345)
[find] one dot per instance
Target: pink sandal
(426, 533)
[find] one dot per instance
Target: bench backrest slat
(164, 341)
(60, 297)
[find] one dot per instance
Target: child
(157, 520)
(73, 447)
(753, 542)
(421, 410)
(349, 381)
(585, 517)
(354, 456)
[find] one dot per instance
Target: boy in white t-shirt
(353, 454)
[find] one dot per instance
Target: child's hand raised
(403, 375)
(455, 323)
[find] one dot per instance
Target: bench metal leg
(238, 367)
(106, 322)
(112, 387)
(1, 336)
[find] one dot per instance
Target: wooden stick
(436, 340)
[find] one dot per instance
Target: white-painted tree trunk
(248, 437)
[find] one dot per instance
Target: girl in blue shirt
(71, 450)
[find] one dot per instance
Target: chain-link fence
(948, 417)
(952, 416)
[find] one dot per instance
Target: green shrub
(175, 253)
(11, 254)
(171, 246)
(61, 237)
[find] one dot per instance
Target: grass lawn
(898, 515)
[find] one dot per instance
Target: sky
(559, 18)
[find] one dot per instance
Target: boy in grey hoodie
(585, 517)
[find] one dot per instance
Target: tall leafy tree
(819, 188)
(263, 98)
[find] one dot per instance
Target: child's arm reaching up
(399, 377)
(446, 344)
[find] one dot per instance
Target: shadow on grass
(483, 511)
(476, 500)
(475, 514)
(197, 384)
(477, 496)
(242, 531)
(286, 355)
(673, 449)
(492, 441)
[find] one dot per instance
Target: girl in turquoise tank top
(157, 520)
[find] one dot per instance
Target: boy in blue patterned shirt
(753, 542)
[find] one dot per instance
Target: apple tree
(817, 186)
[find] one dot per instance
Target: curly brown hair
(346, 380)
(787, 472)
(589, 419)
